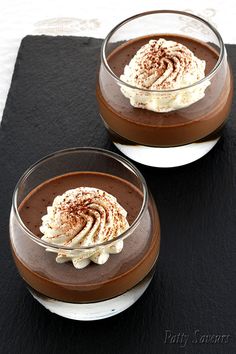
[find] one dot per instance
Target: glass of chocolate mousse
(84, 232)
(164, 87)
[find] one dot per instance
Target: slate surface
(51, 105)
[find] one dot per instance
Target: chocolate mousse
(133, 116)
(119, 273)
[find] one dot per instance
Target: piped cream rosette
(164, 65)
(84, 217)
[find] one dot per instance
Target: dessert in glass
(164, 87)
(84, 232)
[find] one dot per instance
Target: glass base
(169, 156)
(96, 310)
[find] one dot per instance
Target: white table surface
(92, 18)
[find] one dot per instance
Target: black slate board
(51, 105)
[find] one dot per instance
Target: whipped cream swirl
(83, 217)
(164, 65)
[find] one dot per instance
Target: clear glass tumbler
(97, 291)
(186, 131)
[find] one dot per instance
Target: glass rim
(105, 152)
(147, 13)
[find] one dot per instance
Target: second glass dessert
(84, 233)
(164, 87)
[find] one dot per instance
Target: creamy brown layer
(96, 282)
(165, 129)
